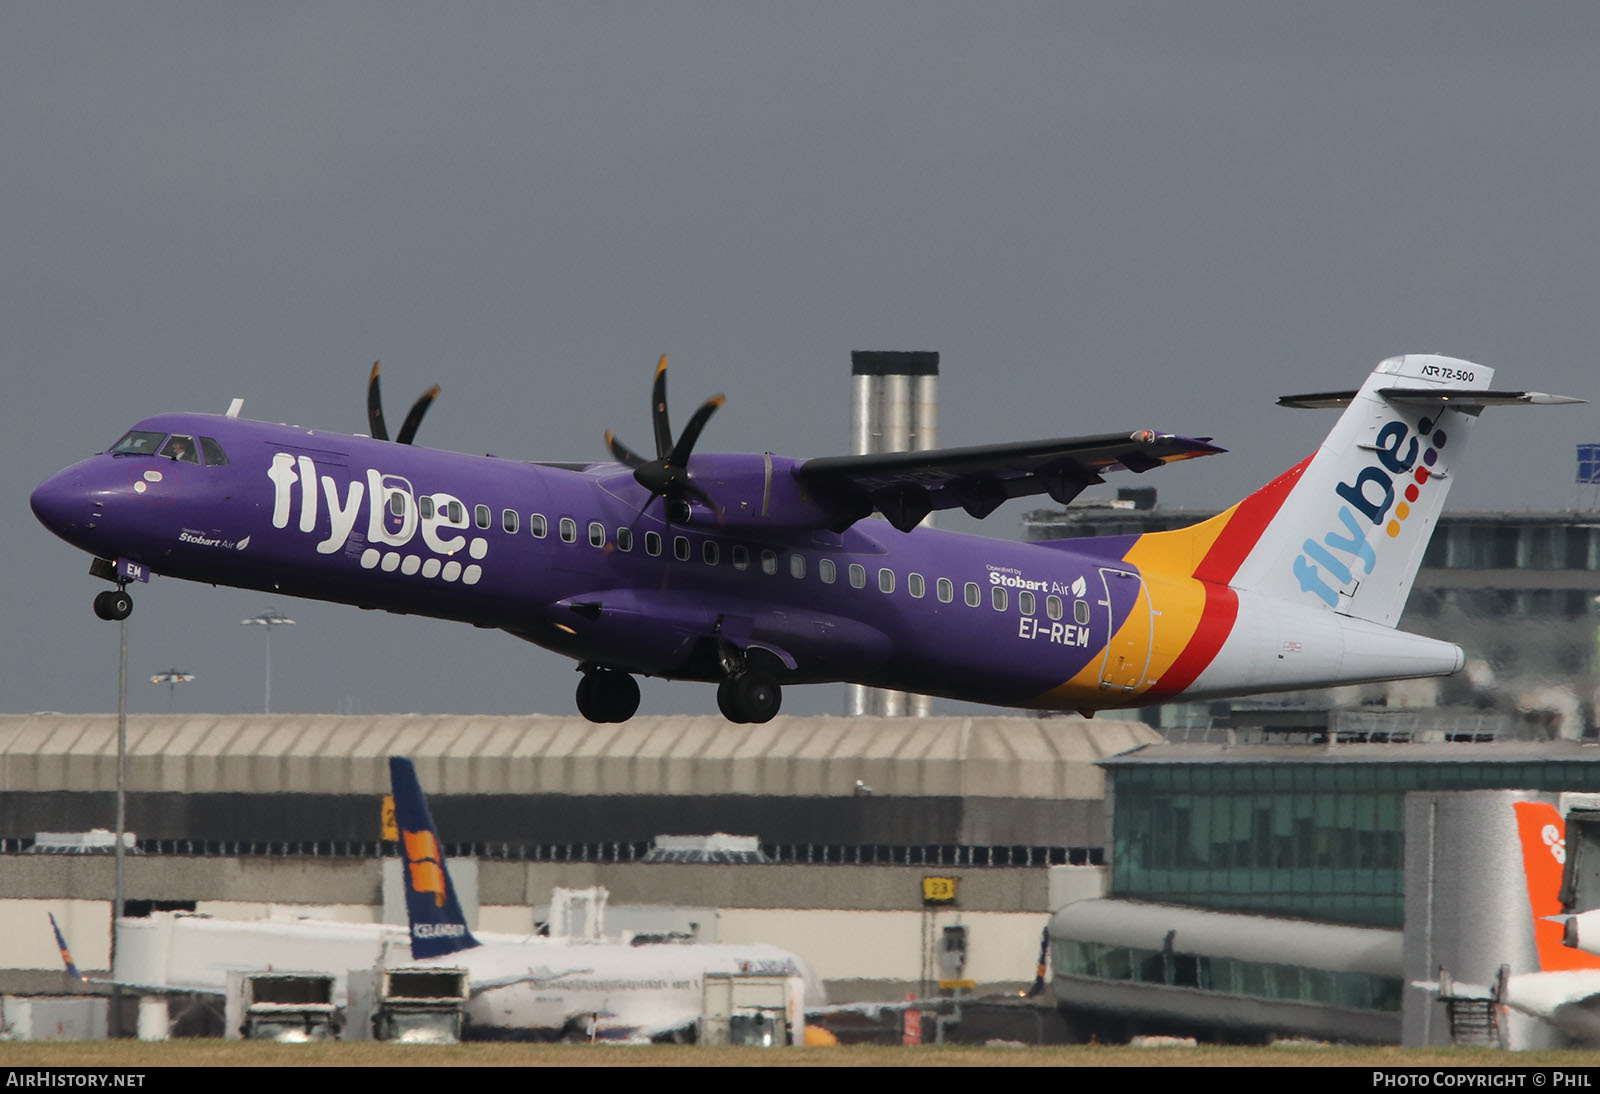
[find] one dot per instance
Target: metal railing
(817, 854)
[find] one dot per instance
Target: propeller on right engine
(408, 428)
(667, 476)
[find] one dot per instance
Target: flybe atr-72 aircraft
(752, 571)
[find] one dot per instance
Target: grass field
(133, 1056)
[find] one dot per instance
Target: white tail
(1351, 532)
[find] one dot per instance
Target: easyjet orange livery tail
(1542, 833)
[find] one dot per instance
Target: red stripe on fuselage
(1216, 623)
(1216, 569)
(1246, 525)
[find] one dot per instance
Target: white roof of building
(1012, 757)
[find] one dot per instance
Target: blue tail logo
(437, 925)
(66, 956)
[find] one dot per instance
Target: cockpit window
(215, 456)
(137, 442)
(181, 448)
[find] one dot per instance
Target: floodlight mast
(270, 618)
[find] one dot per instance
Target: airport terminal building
(279, 816)
(1295, 890)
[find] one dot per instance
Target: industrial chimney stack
(894, 407)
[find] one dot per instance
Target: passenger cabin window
(455, 514)
(680, 548)
(914, 586)
(741, 557)
(569, 530)
(1080, 612)
(886, 581)
(397, 503)
(769, 562)
(480, 516)
(797, 566)
(597, 534)
(425, 507)
(826, 570)
(998, 597)
(858, 576)
(1025, 603)
(652, 543)
(181, 449)
(624, 538)
(972, 594)
(510, 521)
(137, 442)
(538, 525)
(708, 552)
(1052, 607)
(946, 590)
(215, 456)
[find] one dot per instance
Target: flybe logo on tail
(1404, 463)
(423, 864)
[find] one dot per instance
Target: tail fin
(437, 925)
(1542, 834)
(66, 955)
(1044, 957)
(1346, 529)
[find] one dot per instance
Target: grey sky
(1103, 216)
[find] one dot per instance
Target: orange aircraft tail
(1542, 832)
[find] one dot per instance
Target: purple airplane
(751, 571)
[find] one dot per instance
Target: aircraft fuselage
(581, 562)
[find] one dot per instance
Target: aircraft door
(1129, 630)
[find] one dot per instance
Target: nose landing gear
(113, 605)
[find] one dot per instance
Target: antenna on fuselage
(234, 408)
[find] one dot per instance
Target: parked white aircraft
(521, 987)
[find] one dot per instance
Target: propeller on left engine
(408, 428)
(667, 476)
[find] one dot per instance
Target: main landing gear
(607, 695)
(752, 696)
(113, 605)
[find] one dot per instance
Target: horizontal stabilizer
(1456, 396)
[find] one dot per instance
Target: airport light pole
(270, 618)
(172, 678)
(117, 851)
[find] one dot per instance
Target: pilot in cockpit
(180, 448)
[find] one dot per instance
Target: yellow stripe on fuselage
(1166, 561)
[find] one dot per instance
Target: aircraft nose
(62, 503)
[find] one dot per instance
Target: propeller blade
(702, 497)
(691, 432)
(658, 411)
(375, 406)
(667, 476)
(623, 454)
(408, 428)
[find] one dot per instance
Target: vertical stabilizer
(1350, 534)
(437, 924)
(1541, 832)
(66, 955)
